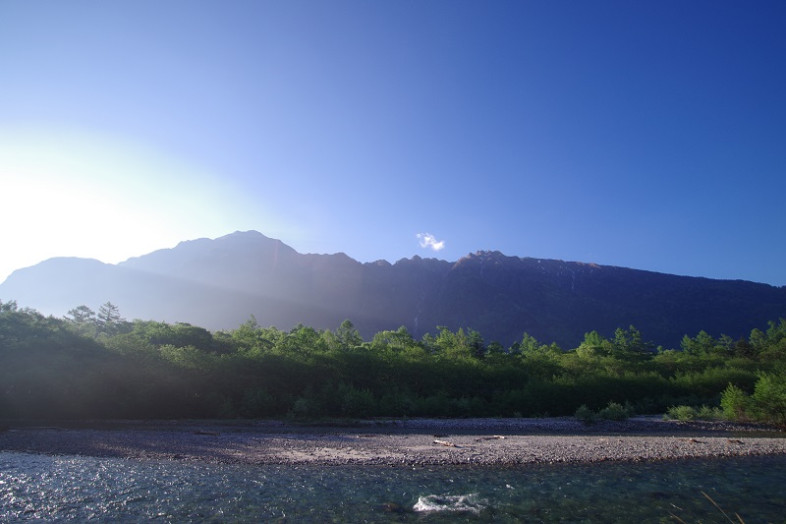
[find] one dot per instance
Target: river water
(75, 488)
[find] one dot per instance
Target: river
(75, 488)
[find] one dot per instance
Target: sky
(649, 135)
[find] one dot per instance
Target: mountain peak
(218, 283)
(484, 257)
(236, 237)
(251, 234)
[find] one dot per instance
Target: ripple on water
(51, 488)
(450, 503)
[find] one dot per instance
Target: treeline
(98, 365)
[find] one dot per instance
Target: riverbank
(397, 442)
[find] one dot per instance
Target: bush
(257, 403)
(586, 415)
(769, 399)
(766, 404)
(356, 402)
(681, 413)
(303, 407)
(616, 411)
(612, 411)
(735, 403)
(708, 413)
(687, 413)
(395, 404)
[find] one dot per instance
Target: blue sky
(649, 135)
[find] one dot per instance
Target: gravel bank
(410, 442)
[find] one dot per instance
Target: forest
(97, 365)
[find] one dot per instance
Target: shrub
(681, 413)
(735, 403)
(302, 407)
(586, 415)
(766, 404)
(395, 404)
(769, 399)
(685, 413)
(257, 403)
(356, 402)
(708, 413)
(612, 411)
(615, 411)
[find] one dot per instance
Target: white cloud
(427, 240)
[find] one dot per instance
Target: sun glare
(81, 195)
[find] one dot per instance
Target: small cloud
(427, 240)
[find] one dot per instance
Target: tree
(302, 339)
(743, 349)
(452, 345)
(529, 344)
(249, 336)
(769, 399)
(776, 331)
(629, 344)
(495, 348)
(83, 320)
(476, 344)
(8, 307)
(776, 341)
(81, 315)
(594, 345)
(109, 319)
(703, 344)
(348, 337)
(395, 341)
(758, 340)
(735, 403)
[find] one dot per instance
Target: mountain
(220, 283)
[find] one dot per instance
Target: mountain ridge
(219, 283)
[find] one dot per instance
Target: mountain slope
(219, 283)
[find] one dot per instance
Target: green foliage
(396, 404)
(594, 345)
(345, 337)
(629, 344)
(735, 403)
(398, 342)
(257, 403)
(8, 307)
(615, 411)
(98, 365)
(701, 344)
(681, 413)
(766, 404)
(356, 403)
(303, 407)
(449, 345)
(769, 399)
(586, 415)
(687, 413)
(709, 413)
(108, 319)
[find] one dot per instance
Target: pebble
(409, 442)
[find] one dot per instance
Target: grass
(717, 506)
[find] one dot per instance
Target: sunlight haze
(88, 196)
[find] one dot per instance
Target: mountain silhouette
(220, 283)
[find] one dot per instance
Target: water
(63, 488)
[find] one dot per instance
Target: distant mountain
(220, 283)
